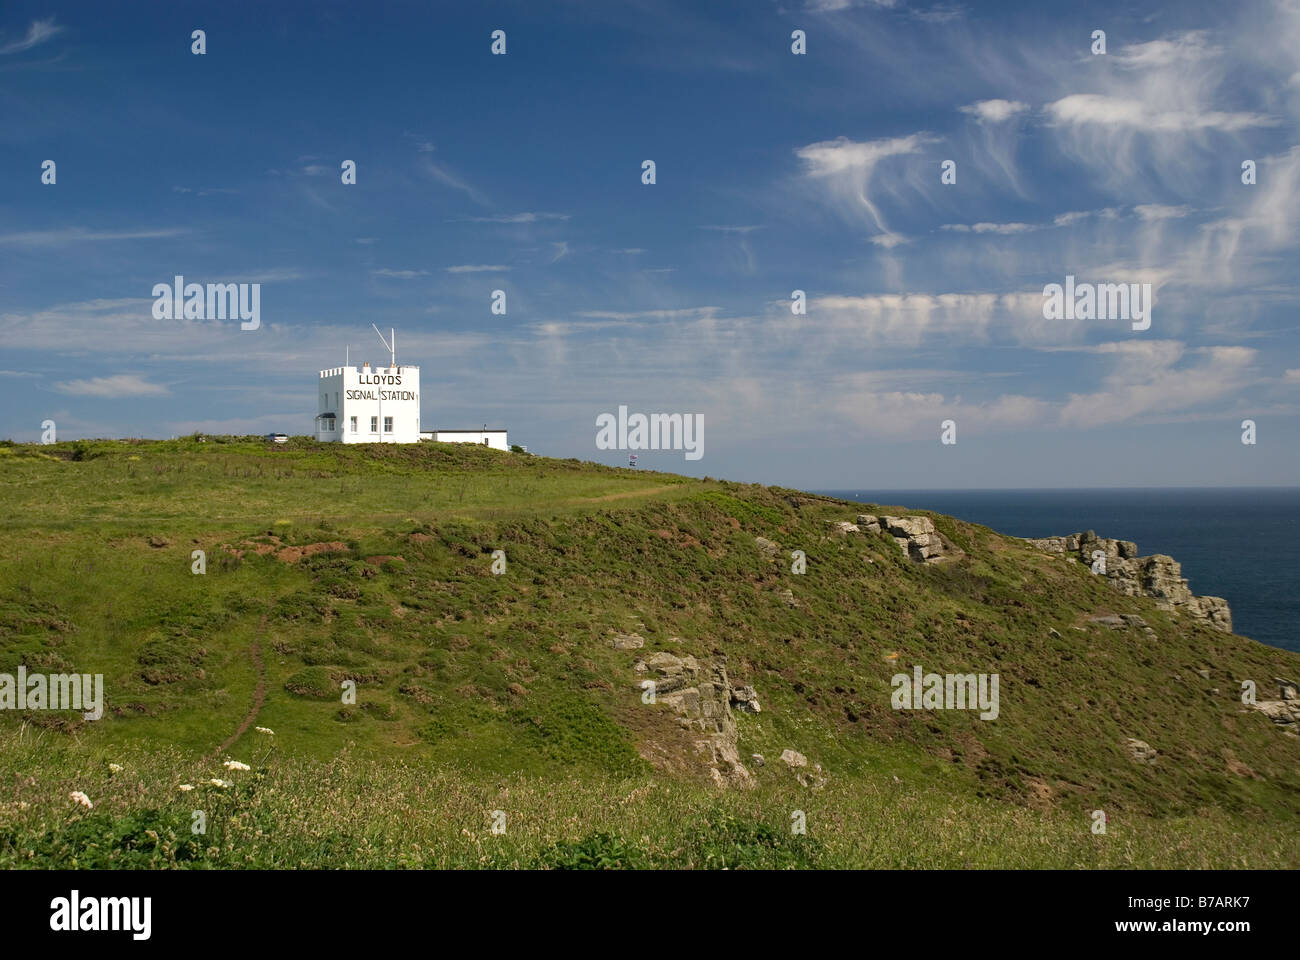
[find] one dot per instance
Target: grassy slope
(488, 683)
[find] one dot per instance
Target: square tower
(369, 405)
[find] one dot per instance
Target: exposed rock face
(915, 536)
(769, 547)
(1123, 622)
(1286, 711)
(628, 641)
(1280, 711)
(1140, 750)
(745, 698)
(702, 697)
(1157, 576)
(806, 777)
(793, 758)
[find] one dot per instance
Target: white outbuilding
(496, 439)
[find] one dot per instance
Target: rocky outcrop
(793, 758)
(1123, 622)
(1286, 711)
(1157, 576)
(702, 696)
(807, 777)
(915, 536)
(1140, 750)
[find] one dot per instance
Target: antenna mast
(391, 345)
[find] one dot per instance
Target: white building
(370, 405)
(382, 405)
(496, 439)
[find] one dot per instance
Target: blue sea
(1242, 544)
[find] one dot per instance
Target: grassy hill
(479, 692)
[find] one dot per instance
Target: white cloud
(1225, 251)
(994, 111)
(1000, 228)
(1074, 216)
(1190, 47)
(914, 319)
(1159, 211)
(1065, 219)
(1093, 109)
(399, 274)
(888, 240)
(121, 385)
(845, 167)
(1147, 379)
(859, 400)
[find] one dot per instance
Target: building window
(485, 443)
(388, 424)
(328, 424)
(354, 424)
(374, 424)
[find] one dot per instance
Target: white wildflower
(267, 730)
(81, 798)
(219, 783)
(186, 787)
(236, 765)
(114, 768)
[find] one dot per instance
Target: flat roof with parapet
(334, 371)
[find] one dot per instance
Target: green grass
(352, 813)
(480, 683)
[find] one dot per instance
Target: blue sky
(775, 172)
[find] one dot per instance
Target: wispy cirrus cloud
(526, 216)
(66, 236)
(1000, 228)
(845, 169)
(440, 173)
(37, 33)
